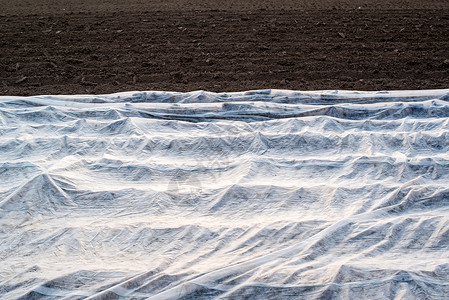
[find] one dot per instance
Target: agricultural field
(224, 150)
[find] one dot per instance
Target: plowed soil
(48, 47)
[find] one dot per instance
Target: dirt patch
(56, 51)
(43, 7)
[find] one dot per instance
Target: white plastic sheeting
(260, 194)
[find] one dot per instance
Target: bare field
(98, 47)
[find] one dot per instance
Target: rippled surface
(260, 194)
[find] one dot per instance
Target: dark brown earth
(50, 47)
